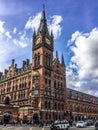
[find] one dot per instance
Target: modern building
(38, 90)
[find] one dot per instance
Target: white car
(60, 125)
(80, 124)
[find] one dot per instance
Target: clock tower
(42, 45)
(48, 75)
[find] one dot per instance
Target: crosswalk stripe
(30, 128)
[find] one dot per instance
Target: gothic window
(49, 82)
(49, 60)
(46, 58)
(58, 105)
(45, 73)
(45, 104)
(62, 106)
(38, 58)
(45, 81)
(55, 106)
(7, 100)
(35, 60)
(35, 79)
(55, 84)
(49, 105)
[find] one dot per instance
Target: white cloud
(9, 45)
(33, 22)
(8, 35)
(2, 26)
(21, 44)
(14, 30)
(9, 8)
(53, 24)
(84, 61)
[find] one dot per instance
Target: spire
(56, 54)
(34, 33)
(51, 33)
(62, 62)
(43, 24)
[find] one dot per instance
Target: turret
(62, 61)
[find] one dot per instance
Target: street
(87, 128)
(9, 127)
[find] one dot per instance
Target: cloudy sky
(75, 28)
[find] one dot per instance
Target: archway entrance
(7, 116)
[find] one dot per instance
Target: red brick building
(82, 106)
(38, 89)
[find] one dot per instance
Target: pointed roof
(34, 33)
(56, 54)
(43, 24)
(62, 62)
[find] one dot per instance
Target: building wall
(12, 109)
(40, 87)
(82, 106)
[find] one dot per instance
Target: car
(96, 125)
(89, 122)
(80, 124)
(60, 125)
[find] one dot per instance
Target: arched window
(38, 58)
(7, 101)
(35, 60)
(49, 60)
(46, 58)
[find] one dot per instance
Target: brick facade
(38, 89)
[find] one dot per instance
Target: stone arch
(7, 116)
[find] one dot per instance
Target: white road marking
(30, 128)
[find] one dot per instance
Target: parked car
(89, 122)
(60, 125)
(80, 124)
(96, 125)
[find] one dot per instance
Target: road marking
(9, 128)
(30, 128)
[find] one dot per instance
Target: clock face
(48, 41)
(38, 41)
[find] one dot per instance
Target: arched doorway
(7, 116)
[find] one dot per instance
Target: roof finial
(43, 7)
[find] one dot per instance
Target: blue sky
(75, 27)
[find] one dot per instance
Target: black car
(96, 125)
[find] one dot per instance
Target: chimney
(15, 65)
(24, 63)
(13, 60)
(5, 71)
(1, 74)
